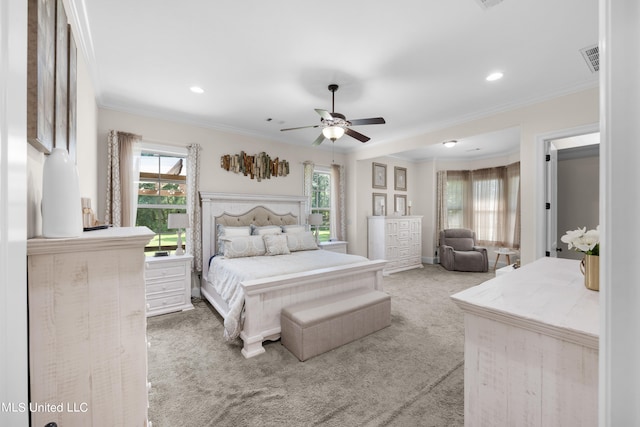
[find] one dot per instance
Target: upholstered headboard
(245, 209)
(259, 216)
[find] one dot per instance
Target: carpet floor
(409, 374)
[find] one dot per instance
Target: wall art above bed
(260, 166)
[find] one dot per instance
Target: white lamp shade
(315, 219)
(178, 220)
(333, 132)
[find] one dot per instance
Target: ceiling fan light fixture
(333, 132)
(450, 143)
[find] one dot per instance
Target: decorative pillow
(301, 241)
(294, 228)
(229, 231)
(243, 246)
(267, 229)
(276, 244)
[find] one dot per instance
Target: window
(161, 191)
(321, 201)
(486, 201)
(455, 190)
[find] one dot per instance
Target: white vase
(61, 202)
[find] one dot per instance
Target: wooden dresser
(531, 348)
(398, 239)
(87, 329)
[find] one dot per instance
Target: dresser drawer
(158, 271)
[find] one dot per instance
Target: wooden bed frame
(265, 298)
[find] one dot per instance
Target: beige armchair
(458, 251)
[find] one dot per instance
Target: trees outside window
(162, 190)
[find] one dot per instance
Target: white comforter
(226, 274)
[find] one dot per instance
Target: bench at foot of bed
(314, 327)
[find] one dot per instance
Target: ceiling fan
(334, 125)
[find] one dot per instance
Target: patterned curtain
(337, 221)
(121, 195)
(194, 234)
(308, 184)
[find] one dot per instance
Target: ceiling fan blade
(324, 114)
(318, 140)
(301, 127)
(370, 121)
(357, 135)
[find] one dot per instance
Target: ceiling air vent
(591, 54)
(486, 4)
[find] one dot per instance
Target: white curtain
(337, 221)
(121, 183)
(308, 185)
(194, 234)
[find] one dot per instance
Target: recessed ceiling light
(450, 143)
(196, 89)
(494, 76)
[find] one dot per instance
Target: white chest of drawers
(398, 239)
(168, 284)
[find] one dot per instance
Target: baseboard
(430, 260)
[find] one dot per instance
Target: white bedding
(226, 274)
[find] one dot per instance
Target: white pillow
(301, 241)
(243, 246)
(294, 228)
(267, 229)
(229, 231)
(276, 244)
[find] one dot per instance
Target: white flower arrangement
(581, 240)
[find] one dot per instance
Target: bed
(262, 298)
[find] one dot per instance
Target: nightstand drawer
(164, 286)
(158, 271)
(165, 302)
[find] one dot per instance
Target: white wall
(13, 224)
(215, 143)
(87, 138)
(565, 112)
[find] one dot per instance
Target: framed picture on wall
(400, 202)
(41, 90)
(379, 204)
(379, 176)
(400, 178)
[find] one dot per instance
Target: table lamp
(316, 221)
(179, 221)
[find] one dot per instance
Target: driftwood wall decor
(259, 166)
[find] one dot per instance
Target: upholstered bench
(314, 327)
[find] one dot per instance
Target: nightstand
(167, 284)
(334, 246)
